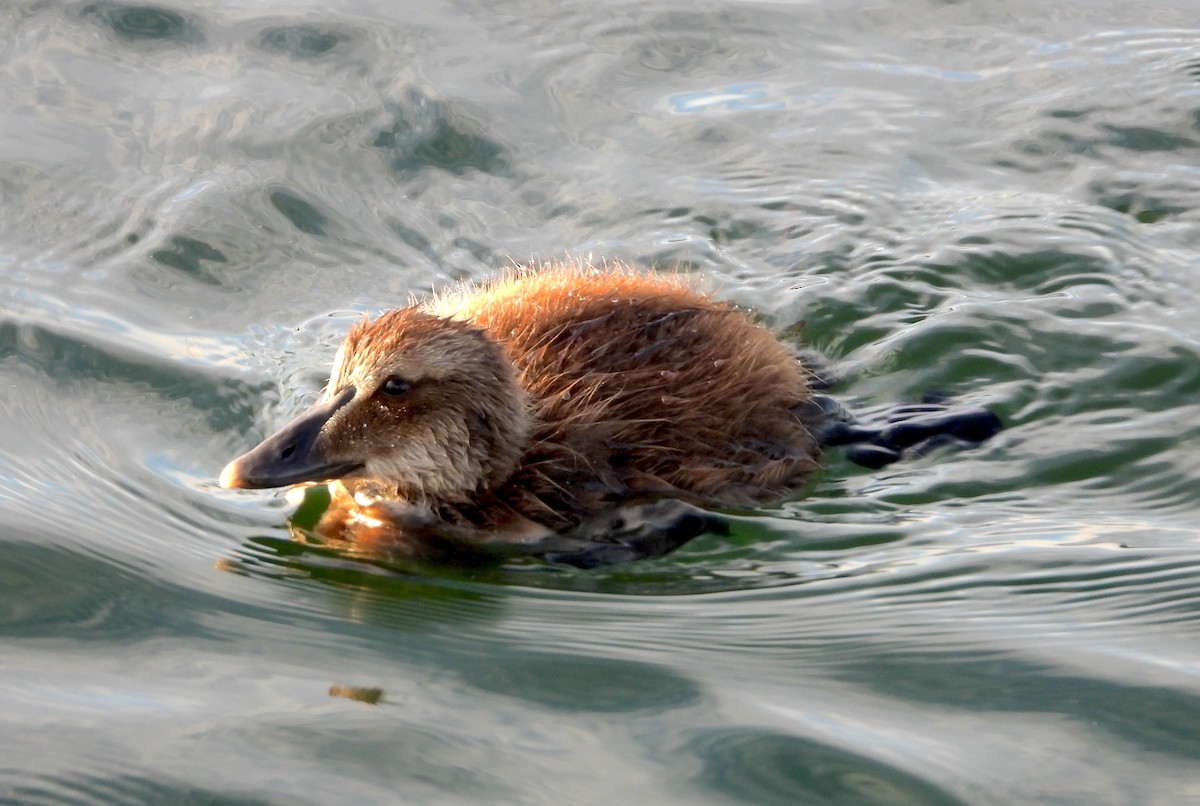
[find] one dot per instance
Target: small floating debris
(371, 696)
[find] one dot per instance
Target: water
(993, 201)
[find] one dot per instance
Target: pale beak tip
(231, 476)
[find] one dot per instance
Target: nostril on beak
(287, 452)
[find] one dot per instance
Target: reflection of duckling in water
(568, 412)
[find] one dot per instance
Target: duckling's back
(640, 385)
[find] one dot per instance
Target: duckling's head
(428, 406)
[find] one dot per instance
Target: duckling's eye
(395, 387)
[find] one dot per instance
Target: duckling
(576, 413)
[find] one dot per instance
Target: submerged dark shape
(915, 428)
(576, 414)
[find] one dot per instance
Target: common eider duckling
(558, 409)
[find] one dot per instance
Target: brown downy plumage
(526, 407)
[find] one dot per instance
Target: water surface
(994, 202)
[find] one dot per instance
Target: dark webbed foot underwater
(632, 532)
(880, 438)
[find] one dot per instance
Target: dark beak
(291, 456)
